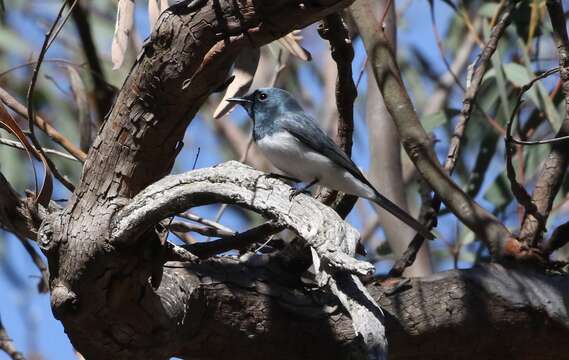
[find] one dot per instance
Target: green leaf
(488, 10)
(499, 193)
(434, 120)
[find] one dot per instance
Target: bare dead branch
(555, 165)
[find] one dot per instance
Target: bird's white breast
(297, 160)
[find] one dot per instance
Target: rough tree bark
(117, 299)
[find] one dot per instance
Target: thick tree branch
(235, 183)
(555, 165)
(418, 146)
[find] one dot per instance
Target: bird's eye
(262, 96)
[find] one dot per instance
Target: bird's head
(267, 103)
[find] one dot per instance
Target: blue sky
(27, 315)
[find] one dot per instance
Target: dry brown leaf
(291, 43)
(82, 102)
(123, 28)
(43, 196)
(244, 71)
(153, 12)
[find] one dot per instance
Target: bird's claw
(295, 192)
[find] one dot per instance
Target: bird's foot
(295, 192)
(303, 189)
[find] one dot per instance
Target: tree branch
(335, 31)
(235, 183)
(555, 165)
(417, 143)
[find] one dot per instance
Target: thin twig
(204, 250)
(193, 217)
(556, 163)
(520, 193)
(49, 38)
(18, 145)
(44, 125)
(472, 90)
(184, 227)
(7, 345)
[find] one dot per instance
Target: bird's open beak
(240, 100)
(244, 101)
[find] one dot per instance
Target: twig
(522, 196)
(440, 47)
(49, 38)
(427, 216)
(44, 125)
(335, 31)
(204, 250)
(472, 90)
(555, 165)
(7, 345)
(17, 145)
(184, 227)
(103, 93)
(193, 217)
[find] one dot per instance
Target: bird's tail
(402, 215)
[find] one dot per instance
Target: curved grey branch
(234, 183)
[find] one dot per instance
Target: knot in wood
(46, 240)
(64, 302)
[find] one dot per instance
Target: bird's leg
(302, 189)
(282, 177)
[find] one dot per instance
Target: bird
(295, 144)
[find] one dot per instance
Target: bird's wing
(309, 133)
